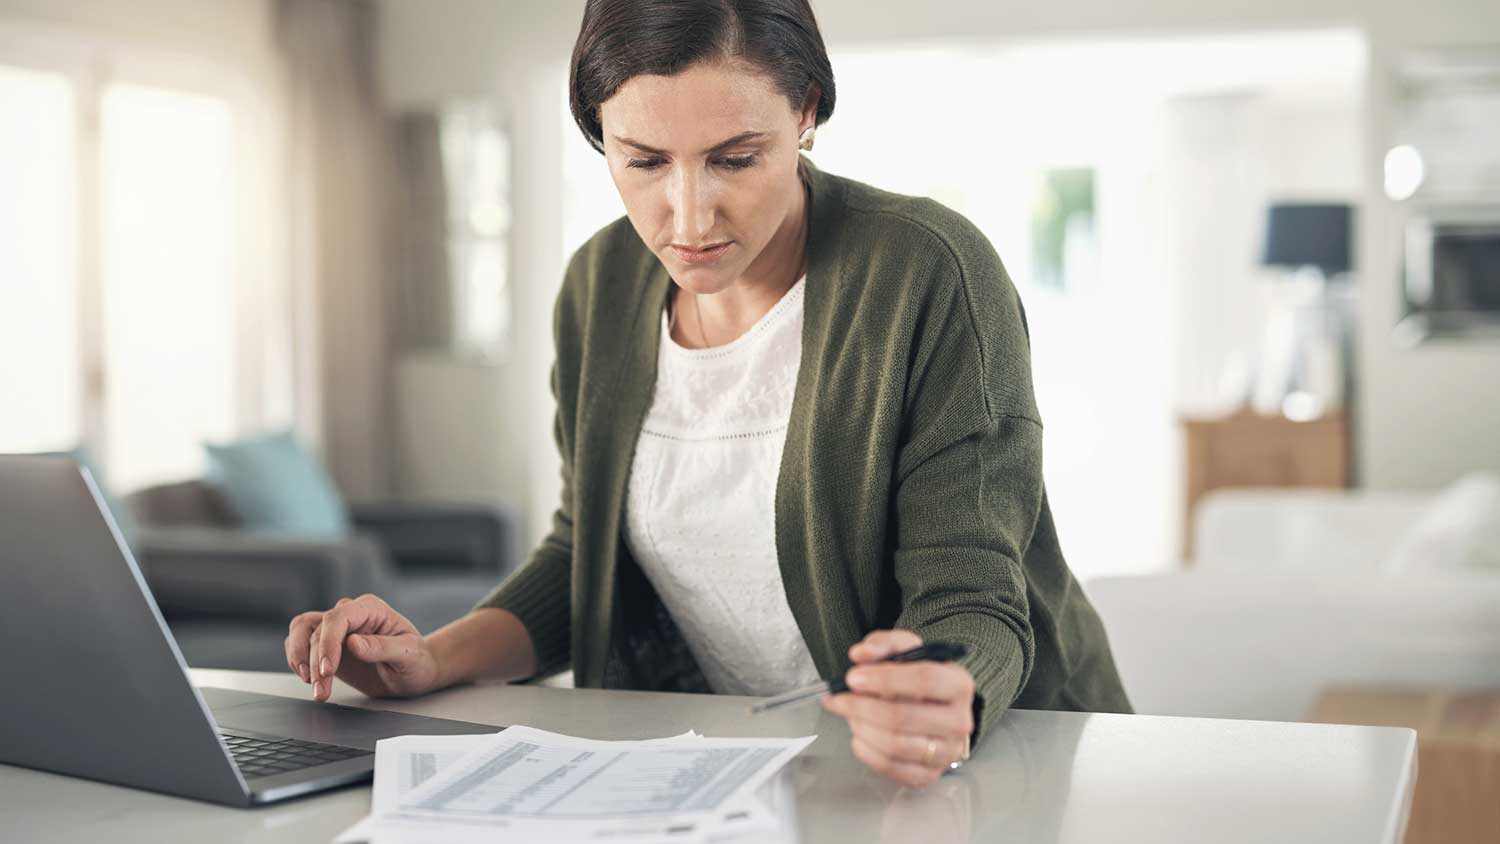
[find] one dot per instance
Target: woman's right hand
(365, 643)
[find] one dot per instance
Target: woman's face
(706, 158)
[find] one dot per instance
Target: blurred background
(282, 271)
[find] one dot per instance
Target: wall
(237, 28)
(1431, 413)
(1427, 414)
(468, 47)
(483, 49)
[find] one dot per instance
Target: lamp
(1304, 369)
(1308, 235)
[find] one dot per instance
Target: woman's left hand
(910, 720)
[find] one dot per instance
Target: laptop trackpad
(325, 722)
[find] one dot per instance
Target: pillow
(124, 519)
(1458, 532)
(274, 486)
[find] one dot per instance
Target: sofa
(1293, 592)
(228, 593)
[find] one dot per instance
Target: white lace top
(700, 505)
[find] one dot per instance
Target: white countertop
(1041, 777)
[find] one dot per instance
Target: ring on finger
(962, 758)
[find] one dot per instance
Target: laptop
(96, 687)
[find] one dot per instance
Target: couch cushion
(1266, 646)
(180, 504)
(431, 602)
(233, 644)
(1459, 532)
(273, 486)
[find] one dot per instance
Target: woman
(796, 423)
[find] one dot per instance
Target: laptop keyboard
(257, 757)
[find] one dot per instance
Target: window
(476, 163)
(143, 309)
(168, 273)
(40, 400)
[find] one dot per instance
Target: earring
(806, 141)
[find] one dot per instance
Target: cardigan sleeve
(969, 483)
(540, 592)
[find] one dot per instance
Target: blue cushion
(274, 486)
(124, 519)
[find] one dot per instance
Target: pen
(932, 651)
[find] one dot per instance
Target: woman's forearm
(486, 643)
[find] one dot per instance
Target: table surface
(1040, 777)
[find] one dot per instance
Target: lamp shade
(1308, 234)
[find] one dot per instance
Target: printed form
(525, 782)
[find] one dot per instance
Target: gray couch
(228, 593)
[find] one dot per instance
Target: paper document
(522, 783)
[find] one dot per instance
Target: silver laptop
(95, 686)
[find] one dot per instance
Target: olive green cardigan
(910, 491)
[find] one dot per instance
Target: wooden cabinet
(1247, 449)
(1457, 798)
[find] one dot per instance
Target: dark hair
(625, 38)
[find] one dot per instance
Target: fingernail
(857, 679)
(302, 671)
(323, 667)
